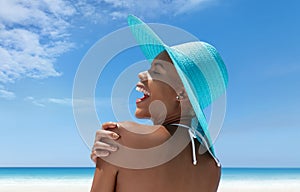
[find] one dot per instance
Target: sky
(42, 44)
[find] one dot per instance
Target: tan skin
(178, 174)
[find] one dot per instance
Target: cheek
(164, 93)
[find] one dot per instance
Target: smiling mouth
(142, 89)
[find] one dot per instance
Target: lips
(141, 88)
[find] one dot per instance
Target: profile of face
(160, 86)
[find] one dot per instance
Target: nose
(143, 76)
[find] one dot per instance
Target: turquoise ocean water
(16, 175)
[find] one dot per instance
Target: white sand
(260, 186)
(225, 186)
(45, 188)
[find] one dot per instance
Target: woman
(185, 78)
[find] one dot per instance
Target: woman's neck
(186, 120)
(173, 120)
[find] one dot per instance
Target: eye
(153, 72)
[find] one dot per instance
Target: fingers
(101, 149)
(98, 145)
(102, 153)
(94, 156)
(106, 134)
(98, 153)
(109, 125)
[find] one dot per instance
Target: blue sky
(42, 44)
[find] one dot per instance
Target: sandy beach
(46, 185)
(259, 186)
(46, 188)
(225, 186)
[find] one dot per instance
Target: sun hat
(199, 66)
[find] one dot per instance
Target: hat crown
(203, 67)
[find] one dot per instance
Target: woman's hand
(101, 149)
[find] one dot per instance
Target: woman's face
(158, 86)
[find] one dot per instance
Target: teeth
(140, 89)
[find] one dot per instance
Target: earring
(178, 98)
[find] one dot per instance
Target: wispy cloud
(64, 101)
(155, 8)
(82, 103)
(39, 103)
(46, 101)
(33, 34)
(5, 94)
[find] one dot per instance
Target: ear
(185, 103)
(181, 95)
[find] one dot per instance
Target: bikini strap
(192, 134)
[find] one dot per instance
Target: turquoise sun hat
(199, 66)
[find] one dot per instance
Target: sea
(34, 175)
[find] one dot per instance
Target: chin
(142, 114)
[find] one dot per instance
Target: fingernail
(115, 136)
(113, 148)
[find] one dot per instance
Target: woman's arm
(105, 177)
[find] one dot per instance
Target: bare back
(176, 175)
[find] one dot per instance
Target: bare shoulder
(140, 136)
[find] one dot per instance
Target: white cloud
(102, 11)
(82, 103)
(5, 94)
(39, 103)
(46, 101)
(64, 101)
(155, 8)
(185, 6)
(33, 34)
